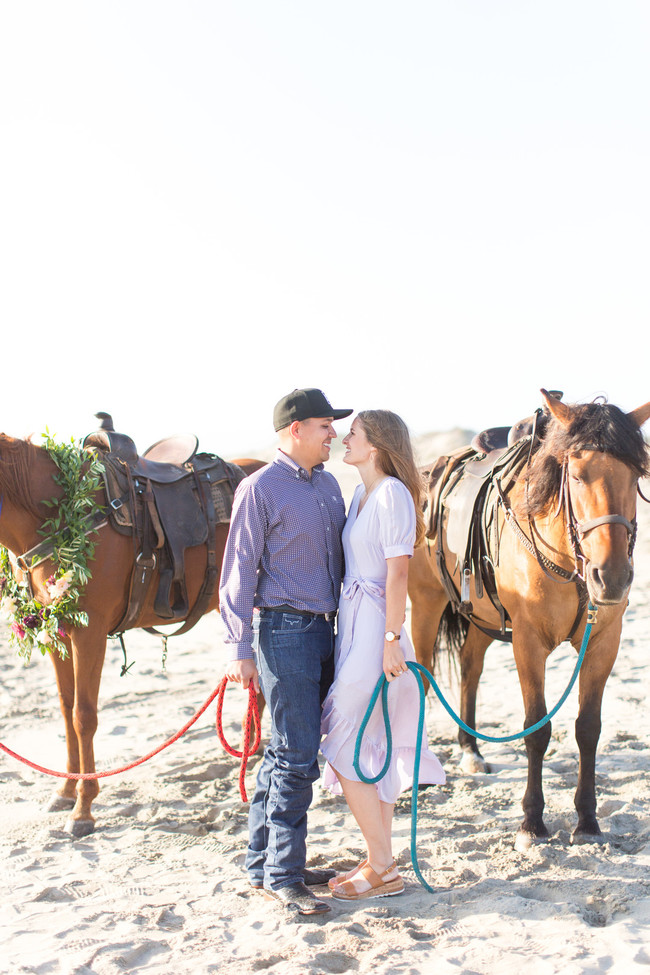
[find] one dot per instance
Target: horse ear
(557, 408)
(640, 415)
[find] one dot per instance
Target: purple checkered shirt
(283, 548)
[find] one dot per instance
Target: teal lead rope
(417, 671)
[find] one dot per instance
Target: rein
(417, 670)
(529, 543)
(44, 550)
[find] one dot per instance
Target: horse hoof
(60, 804)
(473, 764)
(80, 827)
(580, 838)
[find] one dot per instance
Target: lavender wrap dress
(384, 528)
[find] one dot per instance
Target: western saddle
(464, 489)
(168, 499)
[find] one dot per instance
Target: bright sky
(432, 207)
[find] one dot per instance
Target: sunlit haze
(431, 207)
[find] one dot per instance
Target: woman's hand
(397, 569)
(394, 662)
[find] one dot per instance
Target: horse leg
(593, 676)
(428, 601)
(531, 664)
(88, 657)
(65, 795)
(472, 656)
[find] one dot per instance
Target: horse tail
(452, 632)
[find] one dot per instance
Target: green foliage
(71, 547)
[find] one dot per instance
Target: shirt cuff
(242, 651)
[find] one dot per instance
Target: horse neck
(18, 528)
(18, 524)
(550, 524)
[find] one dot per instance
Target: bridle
(577, 530)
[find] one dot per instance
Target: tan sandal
(366, 883)
(342, 877)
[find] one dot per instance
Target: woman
(384, 523)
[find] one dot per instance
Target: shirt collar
(298, 471)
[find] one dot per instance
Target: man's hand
(243, 672)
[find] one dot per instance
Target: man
(284, 558)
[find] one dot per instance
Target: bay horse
(26, 483)
(561, 533)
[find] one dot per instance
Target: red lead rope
(123, 768)
(252, 715)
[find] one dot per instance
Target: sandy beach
(158, 888)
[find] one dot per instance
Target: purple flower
(31, 621)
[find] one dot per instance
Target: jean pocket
(292, 623)
(294, 650)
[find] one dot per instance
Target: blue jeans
(295, 664)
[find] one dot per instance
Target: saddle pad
(437, 477)
(459, 505)
(461, 496)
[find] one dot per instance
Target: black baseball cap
(302, 404)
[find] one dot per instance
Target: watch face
(390, 636)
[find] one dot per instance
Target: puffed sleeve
(396, 519)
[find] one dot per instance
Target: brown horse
(561, 532)
(26, 482)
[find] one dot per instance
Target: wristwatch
(391, 637)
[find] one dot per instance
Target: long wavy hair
(598, 425)
(389, 435)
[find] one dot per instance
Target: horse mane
(598, 424)
(17, 458)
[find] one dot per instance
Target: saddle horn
(107, 421)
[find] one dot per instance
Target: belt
(298, 612)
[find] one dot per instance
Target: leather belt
(298, 612)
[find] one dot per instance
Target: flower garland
(71, 548)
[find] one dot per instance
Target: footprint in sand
(169, 920)
(334, 962)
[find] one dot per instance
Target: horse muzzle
(608, 584)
